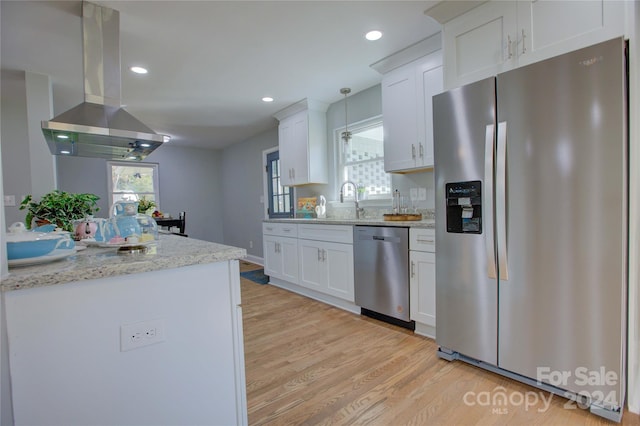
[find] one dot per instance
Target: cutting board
(402, 216)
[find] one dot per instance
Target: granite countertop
(170, 251)
(425, 223)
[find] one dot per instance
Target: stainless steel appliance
(531, 224)
(99, 127)
(381, 265)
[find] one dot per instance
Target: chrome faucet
(355, 191)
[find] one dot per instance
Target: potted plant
(144, 205)
(59, 208)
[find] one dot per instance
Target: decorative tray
(402, 216)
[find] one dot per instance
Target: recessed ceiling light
(139, 70)
(267, 99)
(373, 35)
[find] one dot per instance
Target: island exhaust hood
(99, 127)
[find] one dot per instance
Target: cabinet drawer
(280, 229)
(422, 239)
(329, 233)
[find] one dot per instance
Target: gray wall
(28, 167)
(189, 180)
(243, 190)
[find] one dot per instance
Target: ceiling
(211, 62)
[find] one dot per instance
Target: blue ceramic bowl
(36, 245)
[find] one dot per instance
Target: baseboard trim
(254, 259)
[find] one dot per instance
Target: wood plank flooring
(308, 363)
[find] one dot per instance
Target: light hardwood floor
(308, 363)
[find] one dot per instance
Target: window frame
(156, 180)
(340, 156)
(269, 205)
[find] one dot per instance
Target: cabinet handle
(509, 54)
(421, 150)
(293, 173)
(524, 48)
(277, 247)
(413, 151)
(413, 269)
(319, 255)
(431, 241)
(324, 255)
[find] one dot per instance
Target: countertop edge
(425, 223)
(63, 271)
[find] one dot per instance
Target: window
(280, 197)
(362, 159)
(132, 181)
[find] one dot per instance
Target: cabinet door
(311, 267)
(272, 259)
(479, 43)
(292, 140)
(544, 32)
(430, 84)
(301, 148)
(287, 151)
(399, 119)
(289, 253)
(422, 284)
(338, 263)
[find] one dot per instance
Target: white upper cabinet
(302, 140)
(399, 119)
(501, 35)
(407, 113)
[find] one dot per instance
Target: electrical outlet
(413, 194)
(139, 334)
(422, 194)
(9, 200)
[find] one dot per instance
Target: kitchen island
(106, 338)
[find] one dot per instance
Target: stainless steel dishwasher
(381, 256)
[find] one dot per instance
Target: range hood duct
(99, 127)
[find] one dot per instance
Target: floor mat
(257, 276)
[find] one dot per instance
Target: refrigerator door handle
(501, 201)
(490, 247)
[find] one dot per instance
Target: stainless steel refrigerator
(531, 224)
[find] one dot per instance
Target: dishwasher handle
(386, 238)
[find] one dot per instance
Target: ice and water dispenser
(464, 207)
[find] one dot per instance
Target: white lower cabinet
(327, 267)
(422, 280)
(280, 251)
(326, 259)
(316, 257)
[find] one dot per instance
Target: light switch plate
(413, 194)
(9, 200)
(422, 194)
